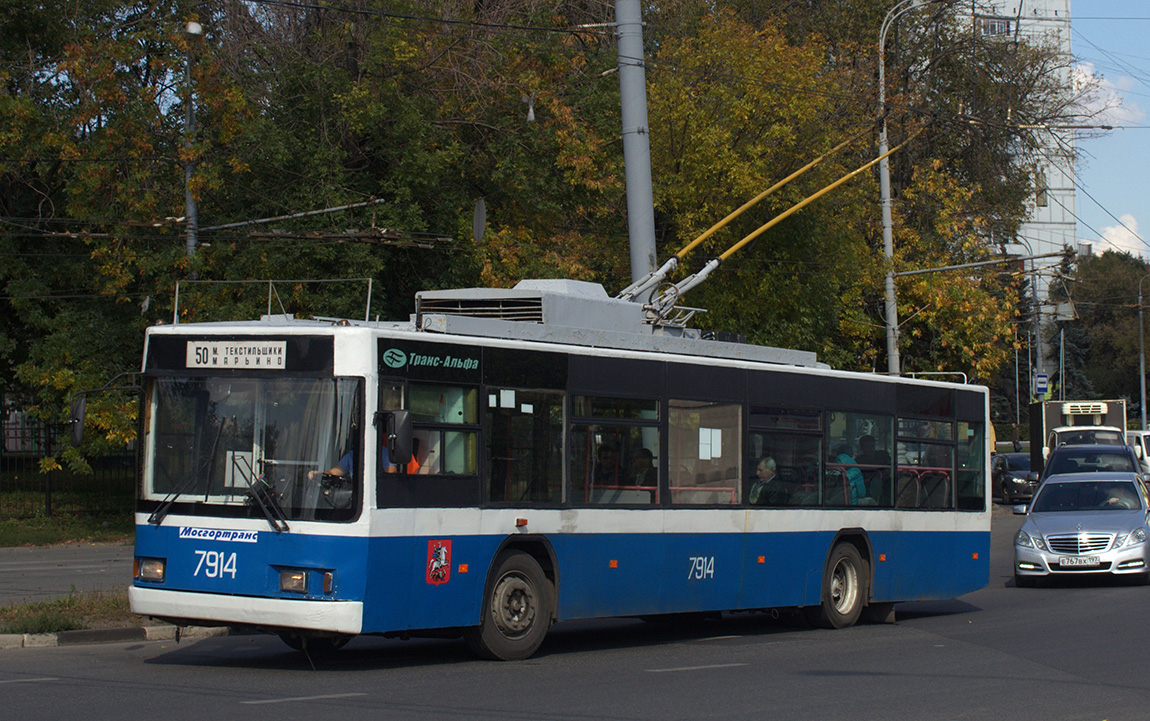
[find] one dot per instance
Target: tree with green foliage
(1100, 348)
(411, 110)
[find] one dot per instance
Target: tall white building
(1051, 226)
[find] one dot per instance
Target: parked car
(1085, 523)
(1010, 472)
(1089, 459)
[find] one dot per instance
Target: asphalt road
(1075, 651)
(45, 573)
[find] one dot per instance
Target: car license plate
(1078, 561)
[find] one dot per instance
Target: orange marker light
(974, 555)
(463, 568)
(882, 556)
(613, 563)
(762, 559)
(520, 522)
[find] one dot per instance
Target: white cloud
(1104, 101)
(1124, 237)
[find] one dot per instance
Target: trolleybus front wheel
(516, 610)
(844, 589)
(314, 644)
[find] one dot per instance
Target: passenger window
(443, 404)
(970, 489)
(615, 451)
(924, 475)
(439, 447)
(614, 464)
(790, 441)
(859, 464)
(524, 445)
(705, 463)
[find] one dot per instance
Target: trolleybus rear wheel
(516, 609)
(844, 589)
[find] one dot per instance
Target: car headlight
(1138, 535)
(1022, 538)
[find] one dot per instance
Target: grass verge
(64, 528)
(78, 610)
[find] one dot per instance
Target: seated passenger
(869, 455)
(607, 470)
(855, 480)
(643, 471)
(767, 489)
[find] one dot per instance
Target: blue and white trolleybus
(508, 459)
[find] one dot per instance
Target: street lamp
(191, 214)
(1141, 353)
(900, 9)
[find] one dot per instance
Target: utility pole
(191, 213)
(636, 137)
(1141, 355)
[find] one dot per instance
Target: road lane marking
(28, 680)
(302, 698)
(694, 668)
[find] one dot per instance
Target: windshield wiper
(165, 506)
(265, 500)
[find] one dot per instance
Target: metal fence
(26, 491)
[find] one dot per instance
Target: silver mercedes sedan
(1084, 523)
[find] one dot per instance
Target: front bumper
(1122, 562)
(345, 617)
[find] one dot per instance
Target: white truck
(1056, 423)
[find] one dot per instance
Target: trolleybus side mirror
(399, 437)
(78, 404)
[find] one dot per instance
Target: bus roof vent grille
(527, 310)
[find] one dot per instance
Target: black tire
(844, 589)
(314, 644)
(517, 609)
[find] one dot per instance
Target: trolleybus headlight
(150, 569)
(293, 579)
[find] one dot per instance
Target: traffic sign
(1041, 384)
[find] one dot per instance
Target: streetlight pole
(892, 359)
(1141, 354)
(191, 213)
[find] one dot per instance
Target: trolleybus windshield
(286, 448)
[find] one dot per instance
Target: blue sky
(1111, 38)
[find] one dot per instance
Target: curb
(109, 635)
